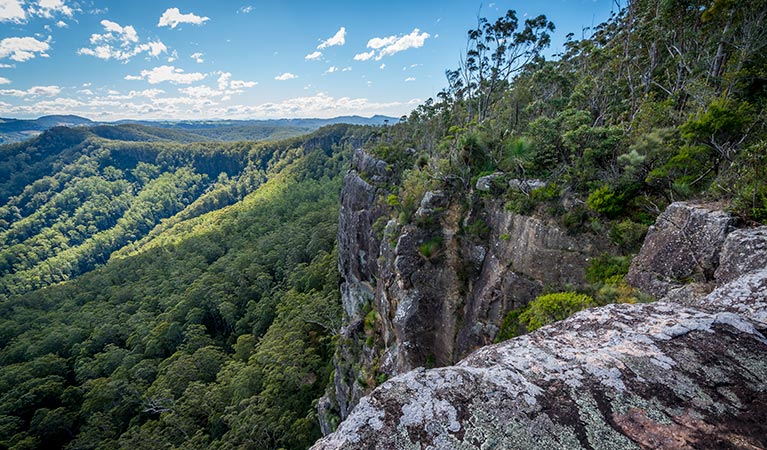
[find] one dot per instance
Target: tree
(495, 52)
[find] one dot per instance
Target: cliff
(428, 292)
(689, 371)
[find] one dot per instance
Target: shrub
(605, 201)
(553, 307)
(628, 235)
(619, 292)
(430, 247)
(477, 228)
(371, 321)
(607, 268)
(510, 327)
(573, 220)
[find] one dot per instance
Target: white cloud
(285, 76)
(167, 73)
(12, 11)
(390, 45)
(346, 69)
(313, 56)
(126, 34)
(4, 80)
(409, 79)
(245, 9)
(364, 56)
(338, 39)
(377, 43)
(146, 93)
(197, 103)
(120, 43)
(318, 105)
(331, 69)
(201, 92)
(223, 80)
(226, 88)
(239, 84)
(46, 8)
(154, 48)
(197, 57)
(172, 17)
(23, 48)
(382, 66)
(62, 24)
(7, 66)
(36, 91)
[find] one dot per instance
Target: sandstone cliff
(428, 292)
(689, 371)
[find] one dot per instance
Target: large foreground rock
(619, 377)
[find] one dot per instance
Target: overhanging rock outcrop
(618, 377)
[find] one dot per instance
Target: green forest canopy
(199, 295)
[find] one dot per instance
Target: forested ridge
(664, 102)
(159, 294)
(209, 317)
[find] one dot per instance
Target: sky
(245, 59)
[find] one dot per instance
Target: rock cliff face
(428, 292)
(661, 375)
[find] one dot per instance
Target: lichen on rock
(620, 376)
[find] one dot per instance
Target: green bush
(628, 235)
(430, 247)
(620, 292)
(550, 308)
(371, 321)
(575, 219)
(605, 201)
(510, 327)
(477, 228)
(607, 268)
(391, 154)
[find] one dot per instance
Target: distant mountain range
(16, 130)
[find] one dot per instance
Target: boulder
(745, 296)
(486, 183)
(526, 185)
(682, 247)
(744, 251)
(618, 377)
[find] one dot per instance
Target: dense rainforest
(157, 294)
(210, 314)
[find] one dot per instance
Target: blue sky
(111, 60)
